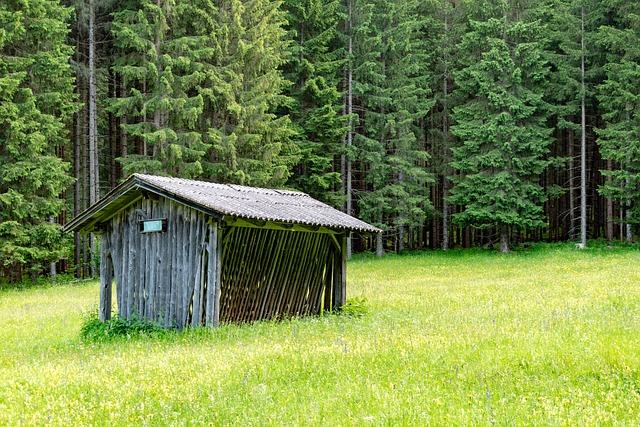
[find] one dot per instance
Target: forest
(446, 123)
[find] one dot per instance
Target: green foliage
(97, 331)
(163, 57)
(619, 97)
(502, 126)
(36, 103)
(355, 307)
(251, 145)
(314, 68)
(392, 78)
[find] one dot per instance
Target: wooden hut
(185, 252)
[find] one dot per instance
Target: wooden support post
(340, 274)
(214, 270)
(106, 278)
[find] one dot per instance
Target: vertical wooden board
(122, 307)
(116, 255)
(132, 276)
(195, 313)
(340, 274)
(152, 265)
(106, 278)
(212, 311)
(173, 249)
(164, 259)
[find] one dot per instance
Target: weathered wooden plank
(340, 274)
(132, 277)
(106, 278)
(211, 317)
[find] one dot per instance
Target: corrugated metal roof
(252, 203)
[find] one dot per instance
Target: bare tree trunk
(52, 266)
(77, 164)
(583, 147)
(609, 206)
(572, 179)
(504, 238)
(445, 137)
(350, 124)
(93, 131)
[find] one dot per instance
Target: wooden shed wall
(269, 274)
(159, 276)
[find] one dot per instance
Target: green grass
(546, 336)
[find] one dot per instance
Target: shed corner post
(106, 277)
(340, 273)
(214, 273)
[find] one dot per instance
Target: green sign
(153, 225)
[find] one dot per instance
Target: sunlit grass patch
(548, 335)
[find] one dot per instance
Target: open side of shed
(186, 253)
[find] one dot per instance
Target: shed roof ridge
(236, 187)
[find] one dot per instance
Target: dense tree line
(447, 123)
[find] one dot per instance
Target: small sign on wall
(153, 225)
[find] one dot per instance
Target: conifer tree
(392, 80)
(162, 58)
(243, 90)
(619, 96)
(36, 102)
(502, 126)
(314, 70)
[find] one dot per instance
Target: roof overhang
(121, 197)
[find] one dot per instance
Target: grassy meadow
(546, 336)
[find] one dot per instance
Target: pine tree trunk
(93, 132)
(583, 148)
(572, 200)
(504, 238)
(445, 137)
(350, 124)
(609, 206)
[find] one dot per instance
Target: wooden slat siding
(143, 251)
(339, 274)
(116, 255)
(273, 274)
(236, 263)
(303, 283)
(280, 282)
(190, 262)
(252, 276)
(328, 281)
(295, 277)
(122, 308)
(162, 282)
(322, 273)
(196, 317)
(218, 280)
(285, 272)
(211, 275)
(152, 265)
(179, 266)
(106, 277)
(279, 250)
(173, 250)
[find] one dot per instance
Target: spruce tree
(36, 94)
(162, 56)
(314, 72)
(619, 97)
(502, 126)
(243, 91)
(392, 80)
